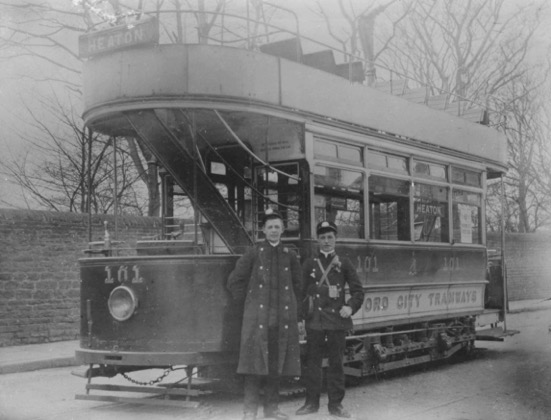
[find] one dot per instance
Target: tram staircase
(291, 49)
(176, 153)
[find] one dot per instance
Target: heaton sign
(119, 37)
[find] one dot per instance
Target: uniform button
(262, 249)
(286, 327)
(261, 306)
(286, 287)
(317, 283)
(260, 286)
(286, 268)
(319, 309)
(317, 295)
(332, 310)
(260, 267)
(260, 326)
(286, 307)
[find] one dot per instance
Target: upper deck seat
(289, 49)
(323, 60)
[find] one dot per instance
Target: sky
(16, 91)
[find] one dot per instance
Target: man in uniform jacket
(267, 279)
(328, 317)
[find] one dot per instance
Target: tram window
(280, 192)
(389, 209)
(431, 213)
(467, 216)
(338, 197)
(429, 170)
(338, 151)
(217, 168)
(466, 177)
(387, 162)
(322, 148)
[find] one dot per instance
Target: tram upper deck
(254, 84)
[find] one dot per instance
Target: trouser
(270, 382)
(315, 345)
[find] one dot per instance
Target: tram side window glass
(279, 192)
(387, 162)
(431, 222)
(338, 197)
(467, 215)
(343, 152)
(466, 177)
(389, 209)
(429, 170)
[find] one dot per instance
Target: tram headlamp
(122, 303)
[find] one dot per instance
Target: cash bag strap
(324, 273)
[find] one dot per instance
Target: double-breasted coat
(249, 282)
(325, 309)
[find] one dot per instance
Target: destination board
(119, 37)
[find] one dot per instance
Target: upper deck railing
(258, 32)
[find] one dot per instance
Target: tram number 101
(122, 275)
(369, 264)
(451, 264)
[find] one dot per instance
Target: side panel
(183, 305)
(385, 265)
(412, 283)
(416, 303)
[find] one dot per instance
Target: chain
(153, 381)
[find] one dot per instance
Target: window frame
(410, 157)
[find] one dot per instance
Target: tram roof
(206, 76)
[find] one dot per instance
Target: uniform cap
(326, 226)
(270, 214)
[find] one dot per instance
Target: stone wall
(528, 263)
(39, 278)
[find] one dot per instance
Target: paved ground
(60, 354)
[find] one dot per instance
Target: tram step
(494, 334)
(145, 401)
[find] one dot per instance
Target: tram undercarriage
(398, 347)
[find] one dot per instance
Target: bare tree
(58, 179)
(47, 32)
(361, 37)
(466, 50)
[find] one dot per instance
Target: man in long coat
(328, 318)
(267, 278)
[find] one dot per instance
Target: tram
(239, 129)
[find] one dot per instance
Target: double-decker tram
(235, 131)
